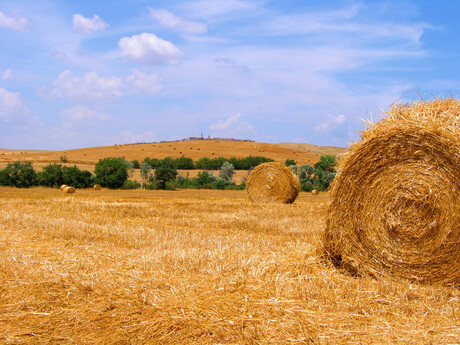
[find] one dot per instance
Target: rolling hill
(301, 153)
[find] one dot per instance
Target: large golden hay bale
(68, 190)
(62, 187)
(395, 202)
(315, 192)
(272, 182)
(97, 187)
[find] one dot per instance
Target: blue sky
(89, 73)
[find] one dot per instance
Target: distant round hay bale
(315, 192)
(97, 187)
(395, 202)
(62, 187)
(272, 182)
(68, 190)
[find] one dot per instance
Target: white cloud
(80, 113)
(332, 124)
(90, 87)
(11, 106)
(8, 74)
(168, 20)
(88, 25)
(129, 137)
(148, 83)
(233, 126)
(149, 49)
(18, 23)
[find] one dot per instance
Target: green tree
(326, 163)
(153, 162)
(184, 163)
(21, 175)
(145, 170)
(327, 179)
(136, 164)
(165, 172)
(204, 163)
(52, 175)
(226, 173)
(78, 178)
(112, 172)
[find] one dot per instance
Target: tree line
(186, 163)
(115, 172)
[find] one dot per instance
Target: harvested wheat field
(194, 267)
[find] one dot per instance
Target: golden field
(194, 267)
(301, 153)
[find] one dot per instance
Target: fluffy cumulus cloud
(233, 126)
(149, 49)
(11, 106)
(147, 83)
(333, 124)
(90, 87)
(80, 113)
(88, 25)
(18, 23)
(168, 20)
(8, 74)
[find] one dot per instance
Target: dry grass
(189, 267)
(193, 149)
(396, 199)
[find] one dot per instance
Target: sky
(86, 73)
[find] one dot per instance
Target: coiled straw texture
(395, 202)
(272, 182)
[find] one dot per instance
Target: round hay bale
(272, 182)
(68, 190)
(395, 202)
(315, 192)
(97, 187)
(62, 187)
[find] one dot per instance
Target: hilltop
(195, 149)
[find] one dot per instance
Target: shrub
(226, 173)
(129, 184)
(307, 186)
(205, 178)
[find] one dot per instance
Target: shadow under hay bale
(272, 182)
(68, 190)
(395, 202)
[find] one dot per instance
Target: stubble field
(194, 267)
